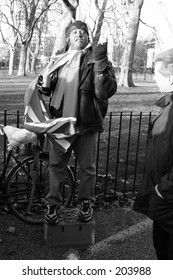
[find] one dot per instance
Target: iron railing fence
(120, 150)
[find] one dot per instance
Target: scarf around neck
(66, 89)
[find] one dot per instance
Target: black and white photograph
(86, 139)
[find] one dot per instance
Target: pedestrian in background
(155, 197)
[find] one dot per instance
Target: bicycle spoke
(27, 187)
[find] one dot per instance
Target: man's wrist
(100, 65)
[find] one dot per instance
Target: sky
(159, 14)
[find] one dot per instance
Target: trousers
(163, 242)
(85, 147)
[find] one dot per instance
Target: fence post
(118, 150)
(97, 159)
(108, 149)
(127, 155)
(137, 150)
(5, 138)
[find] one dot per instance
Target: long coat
(159, 169)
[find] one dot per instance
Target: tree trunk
(68, 15)
(134, 8)
(60, 38)
(11, 62)
(33, 63)
(28, 64)
(22, 62)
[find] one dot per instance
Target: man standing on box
(78, 88)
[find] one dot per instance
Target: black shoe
(85, 211)
(52, 215)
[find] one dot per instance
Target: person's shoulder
(88, 53)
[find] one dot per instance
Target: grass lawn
(137, 99)
(121, 149)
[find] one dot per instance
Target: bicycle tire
(19, 185)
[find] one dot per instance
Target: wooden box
(70, 233)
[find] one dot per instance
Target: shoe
(52, 215)
(85, 211)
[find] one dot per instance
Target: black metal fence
(120, 150)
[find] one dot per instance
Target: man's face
(78, 39)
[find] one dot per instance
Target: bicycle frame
(5, 167)
(34, 179)
(3, 174)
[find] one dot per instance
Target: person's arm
(105, 80)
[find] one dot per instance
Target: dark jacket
(158, 171)
(97, 83)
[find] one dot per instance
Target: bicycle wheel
(19, 186)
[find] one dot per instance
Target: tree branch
(70, 7)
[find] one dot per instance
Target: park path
(132, 243)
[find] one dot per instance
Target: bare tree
(67, 16)
(32, 10)
(33, 50)
(71, 12)
(134, 11)
(9, 20)
(27, 14)
(11, 45)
